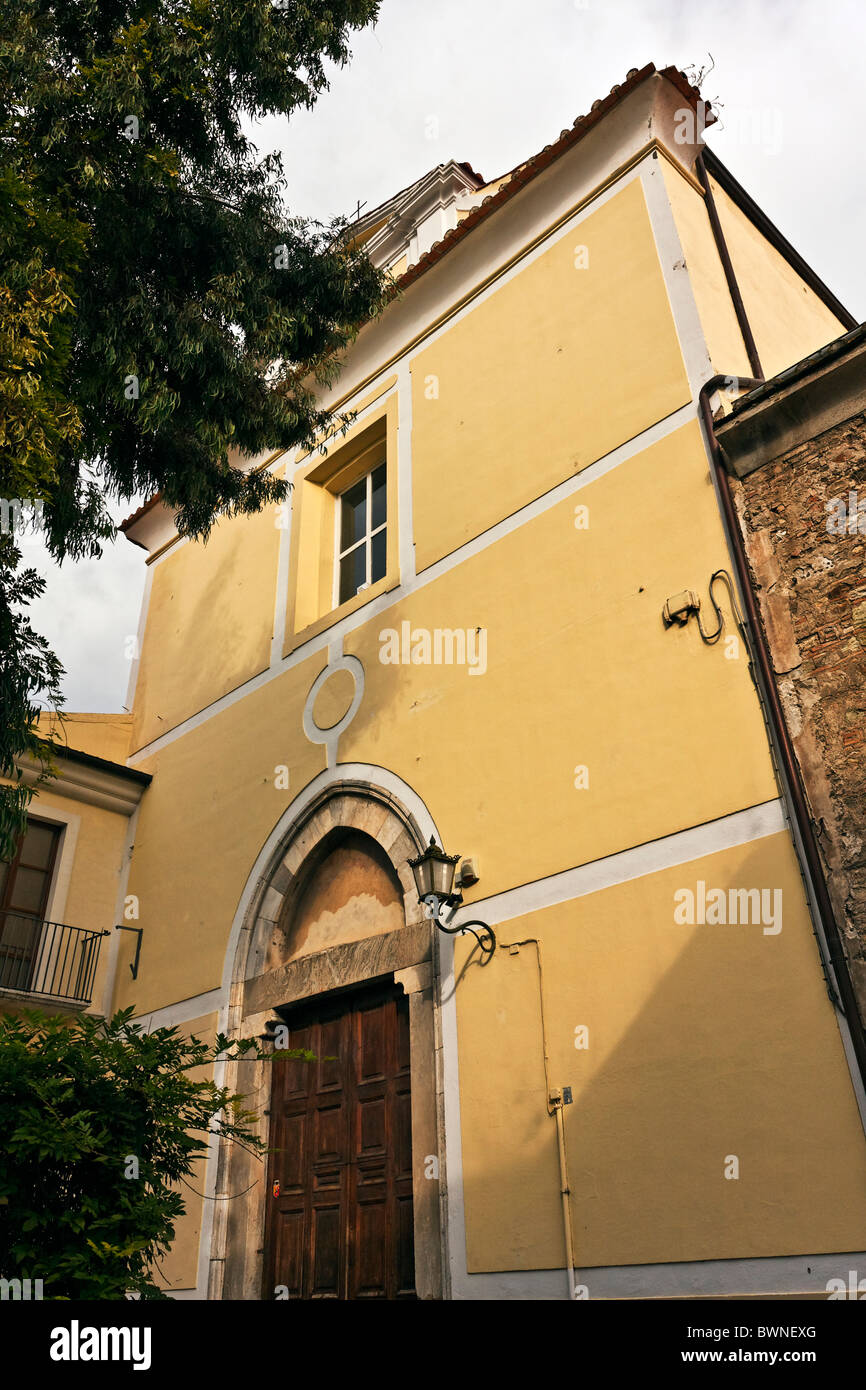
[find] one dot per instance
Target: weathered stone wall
(810, 579)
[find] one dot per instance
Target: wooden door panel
(373, 1039)
(289, 1240)
(371, 1243)
(294, 1156)
(331, 1050)
(329, 1135)
(372, 1113)
(341, 1223)
(327, 1250)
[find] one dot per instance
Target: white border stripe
(739, 828)
(139, 640)
(786, 1274)
(676, 275)
(405, 516)
(281, 597)
(174, 1014)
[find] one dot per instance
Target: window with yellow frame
(344, 527)
(361, 517)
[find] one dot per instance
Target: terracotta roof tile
(141, 511)
(524, 173)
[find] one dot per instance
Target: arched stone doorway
(335, 911)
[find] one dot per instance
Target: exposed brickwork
(811, 584)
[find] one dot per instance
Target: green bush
(100, 1122)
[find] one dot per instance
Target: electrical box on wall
(680, 608)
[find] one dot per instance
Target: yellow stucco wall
(556, 368)
(580, 672)
(704, 1042)
(92, 896)
(194, 849)
(210, 622)
(101, 735)
(788, 319)
(179, 1269)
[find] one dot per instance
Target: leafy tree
(99, 1124)
(27, 667)
(162, 313)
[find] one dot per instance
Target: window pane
(353, 572)
(28, 890)
(378, 497)
(378, 560)
(353, 522)
(38, 846)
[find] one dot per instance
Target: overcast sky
(492, 82)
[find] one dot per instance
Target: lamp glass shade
(434, 871)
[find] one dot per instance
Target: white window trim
(366, 540)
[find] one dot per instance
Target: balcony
(47, 960)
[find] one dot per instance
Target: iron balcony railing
(48, 958)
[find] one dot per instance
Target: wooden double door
(339, 1217)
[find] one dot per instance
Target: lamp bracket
(442, 911)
